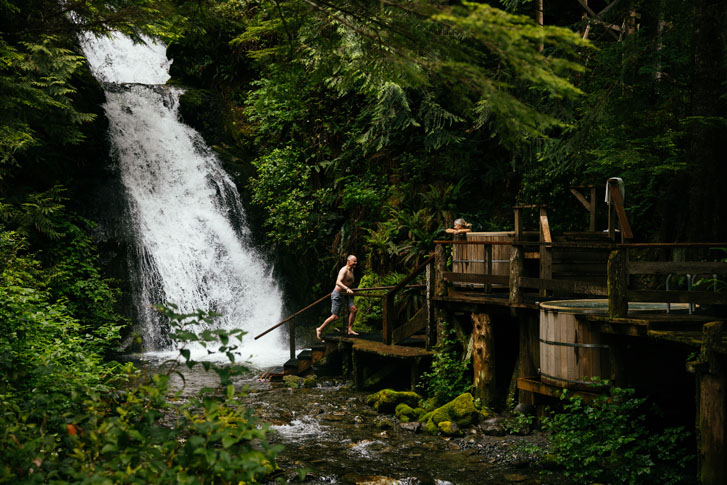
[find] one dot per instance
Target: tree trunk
(706, 152)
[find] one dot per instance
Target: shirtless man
(342, 293)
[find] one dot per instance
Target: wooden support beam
(488, 279)
(617, 277)
(667, 267)
(618, 205)
(712, 408)
(483, 360)
(388, 318)
(516, 271)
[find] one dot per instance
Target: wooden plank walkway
(372, 344)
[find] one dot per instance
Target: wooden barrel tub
(572, 350)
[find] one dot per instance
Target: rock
(310, 381)
(382, 422)
(494, 427)
(448, 428)
(358, 420)
(515, 477)
(412, 427)
(525, 409)
(405, 413)
(293, 382)
(461, 411)
(386, 400)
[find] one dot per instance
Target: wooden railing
(621, 267)
(394, 332)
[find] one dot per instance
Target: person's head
(351, 260)
(460, 223)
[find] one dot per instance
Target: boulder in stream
(386, 400)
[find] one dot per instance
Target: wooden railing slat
(698, 297)
(667, 267)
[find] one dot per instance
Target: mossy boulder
(405, 413)
(386, 400)
(461, 411)
(293, 381)
(449, 428)
(310, 381)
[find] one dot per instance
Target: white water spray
(182, 206)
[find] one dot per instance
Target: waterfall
(184, 210)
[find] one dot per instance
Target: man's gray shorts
(337, 300)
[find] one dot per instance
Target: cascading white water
(182, 206)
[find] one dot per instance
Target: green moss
(461, 411)
(293, 381)
(449, 428)
(386, 400)
(405, 413)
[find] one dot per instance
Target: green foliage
(370, 313)
(450, 375)
(124, 428)
(611, 440)
(294, 214)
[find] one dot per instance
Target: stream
(332, 433)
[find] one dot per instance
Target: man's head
(351, 261)
(459, 223)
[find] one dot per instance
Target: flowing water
(185, 213)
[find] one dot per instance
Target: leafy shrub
(126, 429)
(449, 376)
(610, 440)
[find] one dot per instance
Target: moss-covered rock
(310, 381)
(386, 400)
(461, 411)
(449, 428)
(293, 381)
(405, 413)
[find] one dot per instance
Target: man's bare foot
(318, 334)
(351, 332)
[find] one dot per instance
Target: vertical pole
(617, 274)
(388, 317)
(592, 211)
(488, 265)
(440, 290)
(292, 338)
(712, 408)
(483, 363)
(518, 225)
(431, 322)
(516, 271)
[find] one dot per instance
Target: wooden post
(488, 265)
(484, 358)
(292, 337)
(431, 321)
(617, 274)
(388, 317)
(516, 270)
(528, 357)
(592, 211)
(440, 290)
(518, 224)
(712, 408)
(546, 252)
